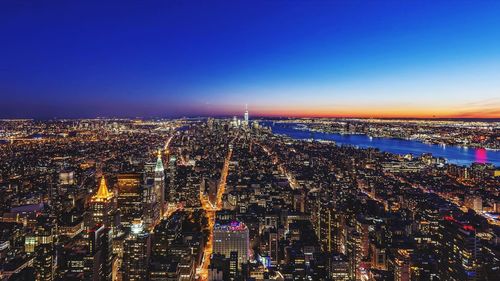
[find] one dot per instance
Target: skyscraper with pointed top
(159, 185)
(102, 205)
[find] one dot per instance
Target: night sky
(282, 58)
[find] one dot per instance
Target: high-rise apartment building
(130, 197)
(460, 251)
(232, 237)
(136, 253)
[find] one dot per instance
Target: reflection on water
(454, 154)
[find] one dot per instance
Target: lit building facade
(232, 237)
(102, 207)
(246, 117)
(136, 253)
(460, 251)
(159, 188)
(98, 262)
(130, 198)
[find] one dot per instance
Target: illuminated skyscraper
(153, 193)
(460, 251)
(44, 262)
(136, 251)
(246, 115)
(326, 228)
(232, 237)
(274, 247)
(98, 262)
(130, 197)
(354, 252)
(402, 264)
(159, 186)
(339, 267)
(150, 202)
(102, 206)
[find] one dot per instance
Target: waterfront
(453, 154)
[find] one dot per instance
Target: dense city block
(230, 199)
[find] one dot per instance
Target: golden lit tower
(102, 205)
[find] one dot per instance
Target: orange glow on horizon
(361, 110)
(372, 113)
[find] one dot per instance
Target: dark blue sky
(169, 58)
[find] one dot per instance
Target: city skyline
(342, 140)
(232, 199)
(283, 59)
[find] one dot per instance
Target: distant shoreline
(259, 118)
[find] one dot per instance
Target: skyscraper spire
(159, 184)
(159, 163)
(103, 193)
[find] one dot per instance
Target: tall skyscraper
(246, 115)
(172, 177)
(460, 251)
(44, 262)
(159, 186)
(164, 234)
(136, 252)
(326, 229)
(232, 237)
(354, 252)
(150, 202)
(153, 193)
(98, 262)
(130, 197)
(274, 247)
(102, 206)
(339, 267)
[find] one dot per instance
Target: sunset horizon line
(262, 116)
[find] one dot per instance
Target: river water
(453, 154)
